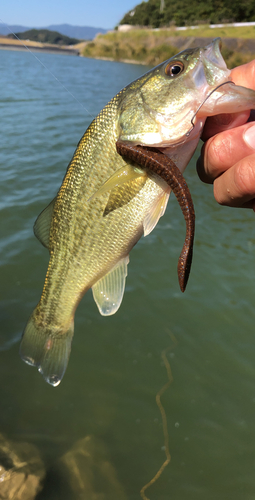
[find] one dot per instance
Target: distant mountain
(16, 28)
(80, 32)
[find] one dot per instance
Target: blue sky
(34, 13)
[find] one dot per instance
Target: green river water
(116, 367)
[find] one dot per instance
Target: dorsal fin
(43, 223)
(109, 290)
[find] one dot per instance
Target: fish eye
(174, 68)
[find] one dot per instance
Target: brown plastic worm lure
(158, 163)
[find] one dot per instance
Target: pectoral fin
(157, 210)
(124, 185)
(123, 175)
(121, 195)
(108, 291)
(43, 223)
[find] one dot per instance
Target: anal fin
(108, 291)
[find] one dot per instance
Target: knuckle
(220, 149)
(245, 176)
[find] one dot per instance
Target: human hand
(228, 156)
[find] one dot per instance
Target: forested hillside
(45, 36)
(156, 13)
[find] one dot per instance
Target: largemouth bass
(106, 202)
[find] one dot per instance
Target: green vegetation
(234, 59)
(152, 47)
(45, 36)
(157, 13)
(138, 46)
(225, 31)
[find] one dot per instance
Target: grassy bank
(225, 31)
(151, 47)
(142, 46)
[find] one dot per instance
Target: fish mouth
(212, 54)
(223, 96)
(211, 68)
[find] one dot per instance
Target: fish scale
(84, 245)
(106, 202)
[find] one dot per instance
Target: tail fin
(48, 351)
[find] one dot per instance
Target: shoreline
(9, 44)
(112, 46)
(126, 61)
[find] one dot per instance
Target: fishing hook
(200, 106)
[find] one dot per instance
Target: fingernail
(249, 137)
